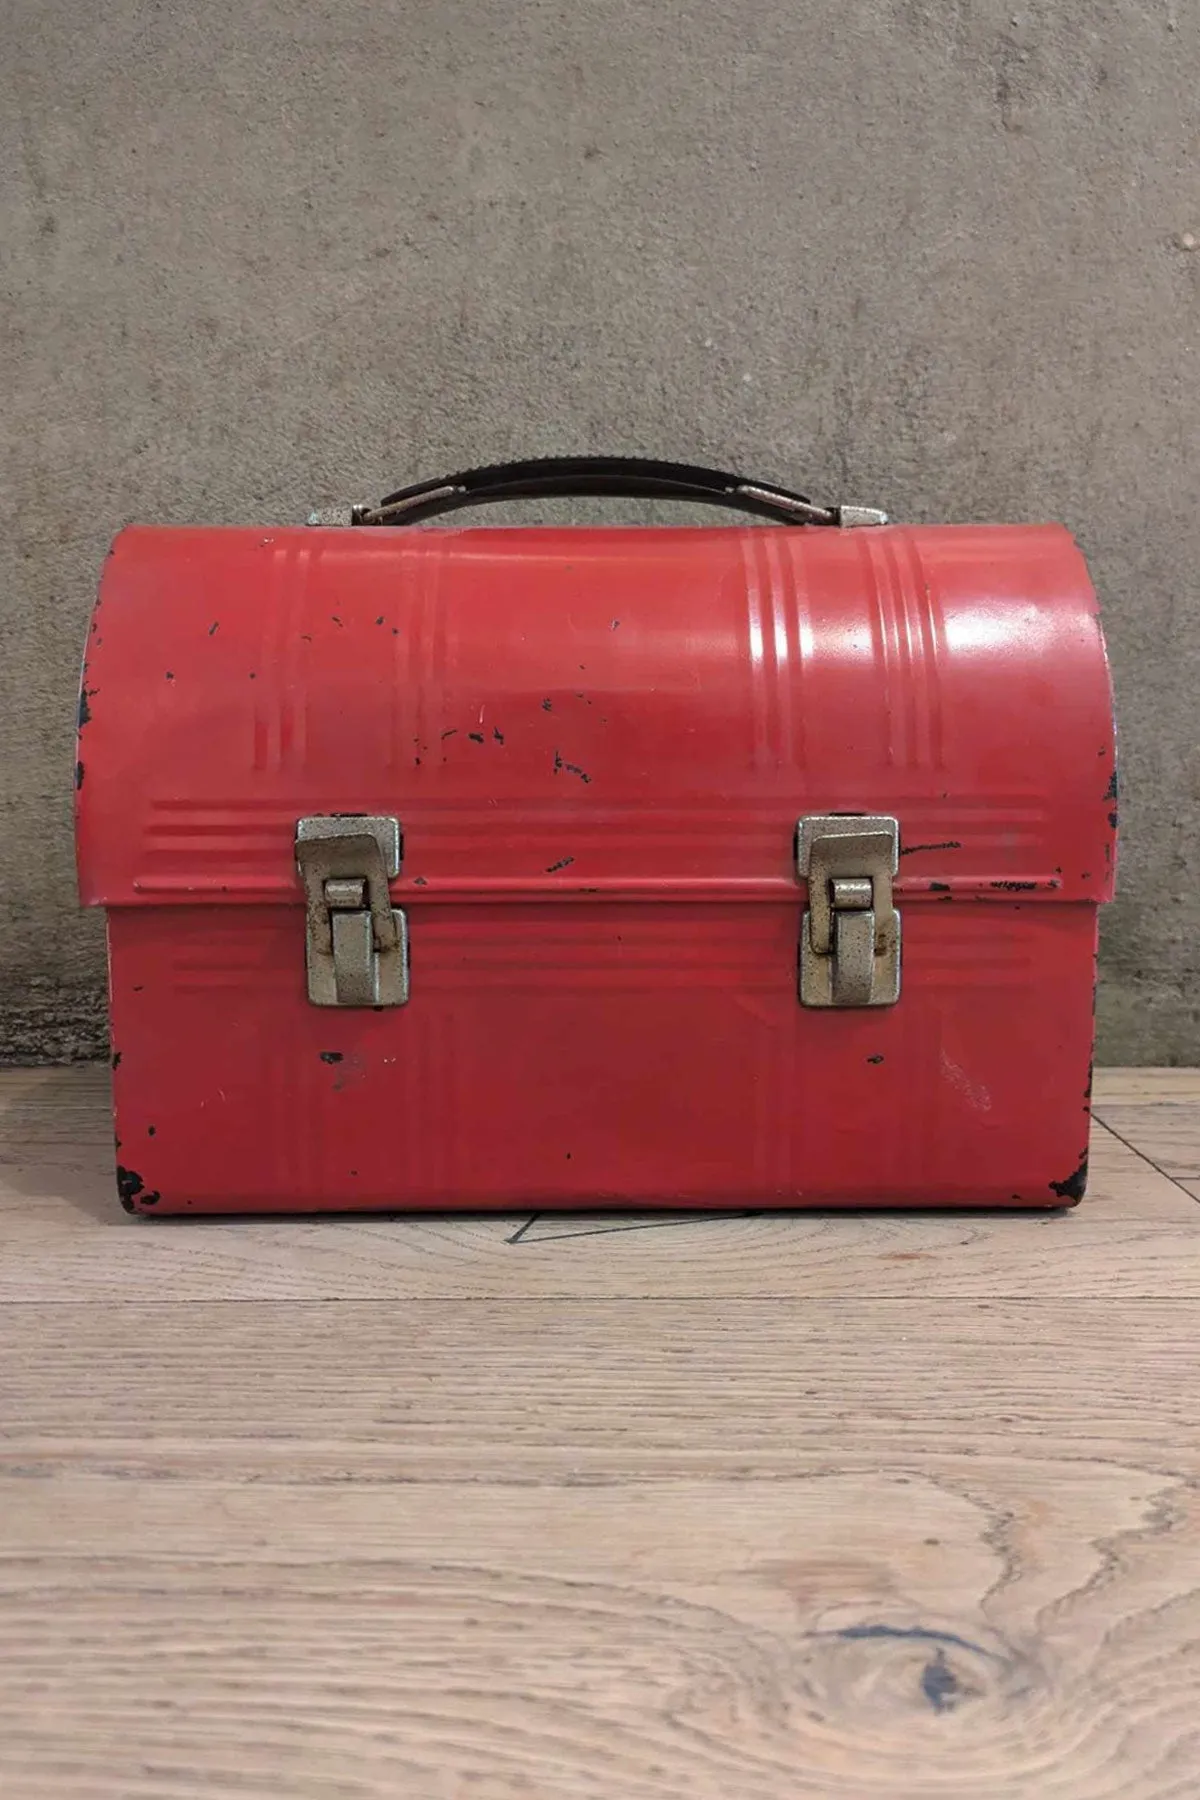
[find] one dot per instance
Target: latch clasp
(850, 933)
(356, 941)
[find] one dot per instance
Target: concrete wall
(933, 253)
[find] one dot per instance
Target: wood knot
(879, 1673)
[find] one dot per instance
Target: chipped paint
(129, 1186)
(1075, 1185)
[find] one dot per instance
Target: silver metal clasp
(356, 941)
(850, 933)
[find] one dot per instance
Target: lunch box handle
(620, 477)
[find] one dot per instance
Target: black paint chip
(1074, 1187)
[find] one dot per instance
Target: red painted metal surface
(598, 743)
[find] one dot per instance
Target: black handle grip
(624, 477)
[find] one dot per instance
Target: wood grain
(831, 1553)
(1138, 1085)
(852, 1632)
(1168, 1134)
(755, 1508)
(294, 1390)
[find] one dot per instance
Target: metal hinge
(356, 940)
(850, 933)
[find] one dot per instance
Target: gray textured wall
(933, 253)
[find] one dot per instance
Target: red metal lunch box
(692, 866)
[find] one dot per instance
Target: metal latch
(356, 940)
(850, 934)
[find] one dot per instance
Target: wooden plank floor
(749, 1508)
